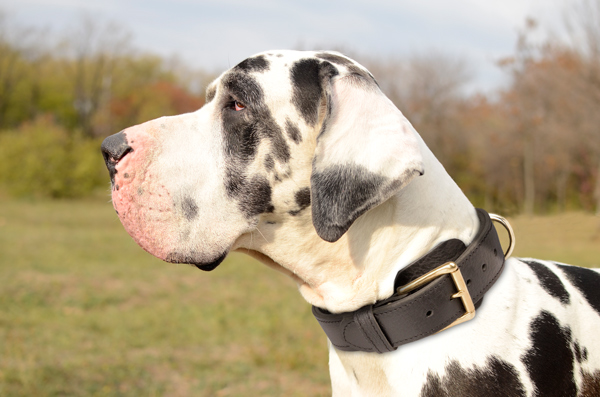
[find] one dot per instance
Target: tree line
(532, 145)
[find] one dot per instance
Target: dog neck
(359, 269)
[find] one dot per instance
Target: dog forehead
(274, 70)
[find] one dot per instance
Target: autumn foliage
(532, 145)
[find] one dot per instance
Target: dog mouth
(192, 258)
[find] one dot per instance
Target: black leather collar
(398, 320)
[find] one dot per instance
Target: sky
(217, 34)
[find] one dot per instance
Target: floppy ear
(366, 152)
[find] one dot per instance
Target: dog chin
(193, 258)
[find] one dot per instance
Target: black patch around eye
(496, 378)
(307, 91)
(241, 136)
(189, 208)
(586, 281)
(255, 64)
(244, 88)
(336, 59)
(549, 281)
(293, 131)
(550, 360)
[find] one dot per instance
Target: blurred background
(506, 95)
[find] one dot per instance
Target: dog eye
(238, 106)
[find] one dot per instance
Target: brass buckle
(463, 292)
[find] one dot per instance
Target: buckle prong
(459, 282)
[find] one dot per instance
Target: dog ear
(366, 152)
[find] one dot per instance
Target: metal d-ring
(511, 233)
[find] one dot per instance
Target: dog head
(284, 137)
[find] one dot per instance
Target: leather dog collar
(437, 302)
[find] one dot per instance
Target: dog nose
(114, 148)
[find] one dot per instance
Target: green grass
(85, 312)
(572, 237)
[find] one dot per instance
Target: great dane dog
(300, 160)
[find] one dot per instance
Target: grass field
(85, 312)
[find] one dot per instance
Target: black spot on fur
(302, 198)
(269, 163)
(244, 131)
(307, 78)
(255, 64)
(253, 194)
(550, 360)
(590, 384)
(192, 258)
(189, 208)
(258, 197)
(293, 131)
(340, 194)
(549, 281)
(581, 354)
(496, 379)
(307, 91)
(587, 281)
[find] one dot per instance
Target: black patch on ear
(549, 281)
(302, 198)
(255, 64)
(496, 379)
(307, 77)
(340, 194)
(189, 208)
(335, 59)
(550, 360)
(586, 281)
(293, 131)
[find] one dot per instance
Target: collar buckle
(453, 270)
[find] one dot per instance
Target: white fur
(360, 267)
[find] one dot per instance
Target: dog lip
(189, 259)
(207, 267)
